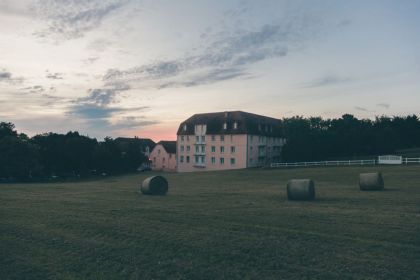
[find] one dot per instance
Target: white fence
(339, 163)
(411, 160)
(325, 163)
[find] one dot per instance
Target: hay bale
(301, 189)
(371, 181)
(155, 185)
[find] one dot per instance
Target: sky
(139, 68)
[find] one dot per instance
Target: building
(228, 140)
(163, 156)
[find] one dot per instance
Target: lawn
(214, 225)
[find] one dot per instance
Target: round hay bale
(155, 185)
(371, 181)
(301, 189)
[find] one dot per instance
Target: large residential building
(228, 140)
(163, 156)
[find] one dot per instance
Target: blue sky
(138, 68)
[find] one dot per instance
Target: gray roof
(169, 146)
(247, 123)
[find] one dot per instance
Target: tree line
(70, 155)
(315, 138)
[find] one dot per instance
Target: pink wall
(246, 152)
(161, 160)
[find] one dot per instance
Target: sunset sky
(139, 68)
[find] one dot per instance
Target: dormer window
(185, 127)
(235, 125)
(225, 126)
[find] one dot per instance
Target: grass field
(216, 225)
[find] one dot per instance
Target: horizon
(174, 135)
(124, 68)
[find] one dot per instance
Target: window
(188, 148)
(196, 159)
(188, 159)
(182, 138)
(232, 161)
(197, 149)
(181, 159)
(213, 149)
(203, 159)
(225, 126)
(203, 138)
(188, 138)
(252, 138)
(213, 160)
(185, 127)
(203, 149)
(250, 160)
(235, 125)
(170, 155)
(222, 160)
(232, 149)
(222, 138)
(182, 148)
(213, 138)
(158, 151)
(197, 138)
(154, 159)
(222, 149)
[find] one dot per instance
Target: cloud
(208, 77)
(69, 19)
(223, 55)
(131, 122)
(361, 109)
(99, 45)
(104, 118)
(384, 105)
(54, 76)
(326, 81)
(34, 89)
(100, 111)
(7, 77)
(92, 111)
(103, 96)
(90, 60)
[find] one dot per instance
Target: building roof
(169, 146)
(139, 141)
(247, 123)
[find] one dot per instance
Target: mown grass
(216, 225)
